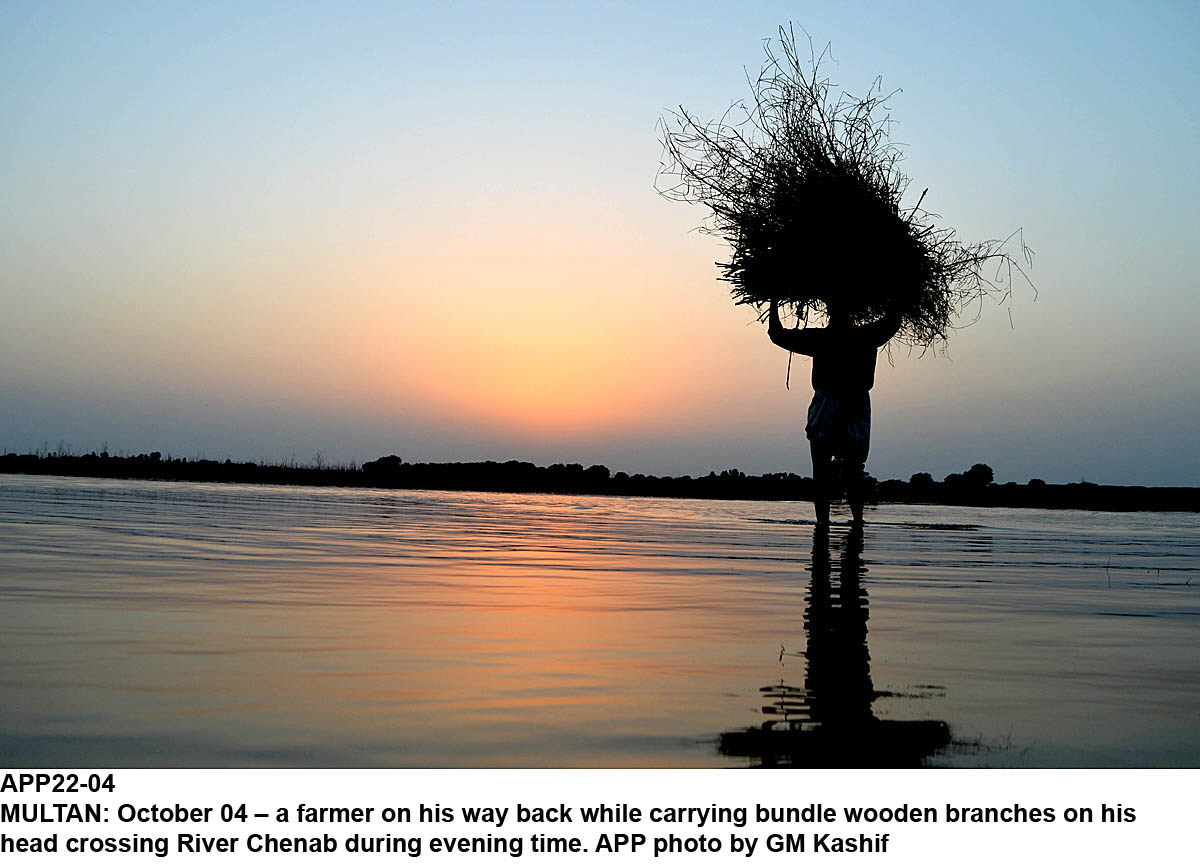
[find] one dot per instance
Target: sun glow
(541, 337)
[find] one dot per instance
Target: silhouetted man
(839, 417)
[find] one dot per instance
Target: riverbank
(971, 488)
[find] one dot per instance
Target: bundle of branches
(803, 182)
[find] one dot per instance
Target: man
(839, 417)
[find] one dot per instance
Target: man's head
(836, 313)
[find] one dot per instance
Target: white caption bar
(597, 816)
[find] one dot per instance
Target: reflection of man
(829, 722)
(838, 676)
(839, 417)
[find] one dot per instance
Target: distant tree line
(974, 487)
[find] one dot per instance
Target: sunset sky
(267, 230)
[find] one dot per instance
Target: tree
(979, 475)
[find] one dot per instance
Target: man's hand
(774, 325)
(808, 340)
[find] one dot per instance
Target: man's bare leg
(822, 469)
(855, 491)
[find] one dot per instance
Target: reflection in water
(829, 722)
(193, 625)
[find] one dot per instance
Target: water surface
(149, 623)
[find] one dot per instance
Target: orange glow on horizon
(538, 331)
(580, 337)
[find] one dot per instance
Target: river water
(196, 625)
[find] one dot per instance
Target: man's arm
(877, 333)
(807, 341)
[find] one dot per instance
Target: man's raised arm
(877, 333)
(807, 341)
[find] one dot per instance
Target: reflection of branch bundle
(806, 190)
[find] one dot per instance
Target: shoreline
(526, 478)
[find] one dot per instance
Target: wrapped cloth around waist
(841, 421)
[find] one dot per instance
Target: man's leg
(854, 490)
(822, 480)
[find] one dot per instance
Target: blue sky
(267, 230)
